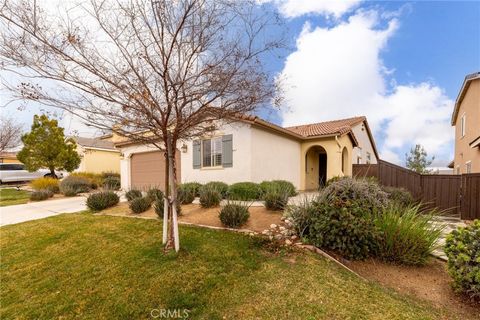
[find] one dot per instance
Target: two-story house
(466, 120)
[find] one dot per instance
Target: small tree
(417, 159)
(45, 146)
(10, 133)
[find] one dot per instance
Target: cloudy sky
(401, 64)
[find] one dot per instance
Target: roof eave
(466, 82)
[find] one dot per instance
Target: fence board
(470, 205)
(442, 191)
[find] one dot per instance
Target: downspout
(338, 143)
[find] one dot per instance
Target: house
(252, 149)
(8, 157)
(466, 120)
(98, 155)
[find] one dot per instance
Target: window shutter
(227, 151)
(197, 157)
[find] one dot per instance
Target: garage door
(148, 169)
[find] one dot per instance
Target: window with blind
(212, 152)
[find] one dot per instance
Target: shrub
(111, 183)
(301, 215)
(278, 185)
(95, 179)
(344, 227)
(133, 194)
(41, 195)
(209, 196)
(139, 205)
(463, 251)
(102, 200)
(46, 183)
(186, 193)
(234, 215)
(406, 234)
(158, 207)
(75, 184)
(366, 194)
(69, 191)
(109, 174)
(245, 191)
(219, 186)
(276, 199)
(153, 194)
(195, 186)
(399, 195)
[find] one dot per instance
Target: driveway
(38, 210)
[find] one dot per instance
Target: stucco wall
(98, 161)
(242, 160)
(470, 106)
(364, 146)
(309, 168)
(275, 157)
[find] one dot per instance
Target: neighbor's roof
(94, 143)
(466, 83)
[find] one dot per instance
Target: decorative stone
(294, 237)
(266, 232)
(282, 228)
(278, 236)
(273, 226)
(288, 242)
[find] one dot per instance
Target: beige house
(98, 155)
(252, 149)
(466, 120)
(9, 157)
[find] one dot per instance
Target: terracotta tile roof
(326, 128)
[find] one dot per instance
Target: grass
(102, 267)
(11, 196)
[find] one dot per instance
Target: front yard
(103, 267)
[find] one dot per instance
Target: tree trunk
(165, 203)
(173, 199)
(52, 173)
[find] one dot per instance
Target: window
(369, 157)
(468, 167)
(462, 126)
(212, 152)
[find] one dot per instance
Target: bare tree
(10, 133)
(157, 72)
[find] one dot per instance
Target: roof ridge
(328, 121)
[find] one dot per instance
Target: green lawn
(100, 267)
(11, 196)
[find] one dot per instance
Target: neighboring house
(466, 119)
(98, 155)
(8, 157)
(252, 149)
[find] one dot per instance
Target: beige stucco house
(252, 149)
(466, 120)
(9, 157)
(97, 155)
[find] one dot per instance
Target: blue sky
(399, 63)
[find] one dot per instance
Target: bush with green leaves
(46, 183)
(41, 195)
(407, 235)
(278, 185)
(139, 205)
(365, 193)
(102, 200)
(301, 214)
(343, 226)
(133, 194)
(399, 195)
(220, 187)
(95, 179)
(245, 191)
(186, 193)
(463, 251)
(153, 194)
(209, 196)
(195, 186)
(111, 183)
(158, 207)
(234, 215)
(110, 174)
(74, 184)
(276, 198)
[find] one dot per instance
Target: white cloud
(296, 8)
(338, 72)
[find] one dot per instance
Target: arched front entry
(345, 162)
(315, 168)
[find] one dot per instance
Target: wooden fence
(457, 194)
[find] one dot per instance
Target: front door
(322, 169)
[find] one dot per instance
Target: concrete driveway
(38, 210)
